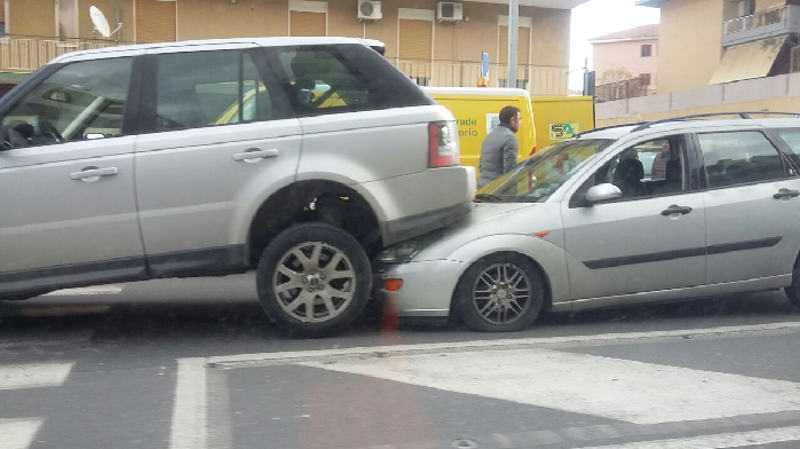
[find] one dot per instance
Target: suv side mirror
(602, 192)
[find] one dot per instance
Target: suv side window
(647, 169)
(734, 158)
(200, 89)
(321, 80)
(82, 100)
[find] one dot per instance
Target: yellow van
(560, 118)
(477, 111)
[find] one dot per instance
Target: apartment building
(436, 43)
(704, 42)
(627, 54)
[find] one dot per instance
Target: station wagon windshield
(535, 179)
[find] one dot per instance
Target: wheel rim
(502, 294)
(314, 282)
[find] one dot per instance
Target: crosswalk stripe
(89, 291)
(613, 388)
(33, 375)
(189, 409)
(18, 433)
(719, 441)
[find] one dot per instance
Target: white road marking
(719, 441)
(89, 291)
(619, 389)
(189, 409)
(34, 375)
(18, 433)
(245, 360)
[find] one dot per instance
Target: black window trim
(706, 186)
(689, 169)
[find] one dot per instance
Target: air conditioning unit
(369, 10)
(449, 12)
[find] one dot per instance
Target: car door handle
(254, 155)
(786, 193)
(90, 174)
(675, 209)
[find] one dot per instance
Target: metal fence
(26, 54)
(539, 80)
(636, 87)
(769, 16)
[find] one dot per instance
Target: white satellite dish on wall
(101, 23)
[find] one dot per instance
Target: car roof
(688, 124)
(260, 41)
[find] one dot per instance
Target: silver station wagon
(600, 220)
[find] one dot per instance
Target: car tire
(500, 293)
(313, 280)
(793, 291)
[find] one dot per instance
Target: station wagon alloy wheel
(502, 294)
(314, 282)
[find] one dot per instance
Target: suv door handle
(786, 193)
(91, 174)
(254, 155)
(675, 209)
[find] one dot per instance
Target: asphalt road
(194, 364)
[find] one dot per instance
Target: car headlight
(400, 253)
(406, 251)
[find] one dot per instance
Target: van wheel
(500, 293)
(793, 291)
(313, 279)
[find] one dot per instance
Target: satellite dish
(100, 22)
(367, 9)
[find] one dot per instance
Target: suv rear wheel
(313, 279)
(793, 291)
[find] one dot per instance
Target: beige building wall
(550, 29)
(32, 18)
(245, 18)
(690, 43)
(626, 55)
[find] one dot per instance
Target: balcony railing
(539, 80)
(766, 17)
(26, 54)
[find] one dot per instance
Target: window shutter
(307, 23)
(155, 21)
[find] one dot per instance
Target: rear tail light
(533, 151)
(443, 144)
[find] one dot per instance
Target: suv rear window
(326, 79)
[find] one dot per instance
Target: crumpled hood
(489, 219)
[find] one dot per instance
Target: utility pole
(513, 31)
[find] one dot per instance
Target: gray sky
(596, 18)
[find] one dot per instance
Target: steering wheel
(47, 128)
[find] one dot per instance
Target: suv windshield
(535, 179)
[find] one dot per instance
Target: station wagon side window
(648, 169)
(734, 158)
(322, 80)
(212, 88)
(81, 101)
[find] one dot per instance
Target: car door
(219, 138)
(66, 176)
(752, 207)
(650, 239)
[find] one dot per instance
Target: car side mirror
(602, 193)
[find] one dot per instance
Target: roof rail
(603, 128)
(747, 115)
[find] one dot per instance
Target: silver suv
(653, 212)
(215, 157)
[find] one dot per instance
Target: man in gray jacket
(500, 148)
